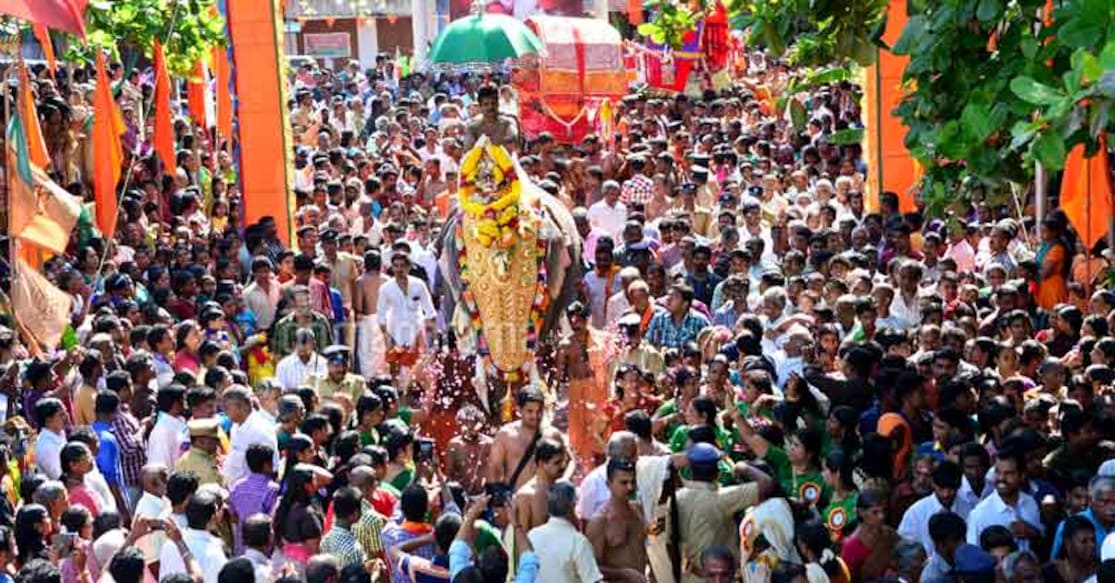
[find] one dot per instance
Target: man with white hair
(609, 214)
(594, 488)
(791, 359)
(619, 303)
(564, 554)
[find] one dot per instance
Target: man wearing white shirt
(51, 416)
(169, 436)
(153, 504)
(564, 554)
(915, 522)
(206, 548)
(907, 302)
(1008, 506)
(249, 428)
(609, 214)
(594, 493)
(404, 306)
(295, 368)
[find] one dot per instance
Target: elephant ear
(447, 256)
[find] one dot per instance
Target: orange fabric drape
(266, 145)
(222, 78)
(195, 95)
(164, 127)
(43, 36)
(1086, 193)
(889, 164)
(36, 146)
(108, 153)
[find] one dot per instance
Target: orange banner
(108, 153)
(1086, 193)
(255, 28)
(889, 164)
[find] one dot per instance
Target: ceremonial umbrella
(483, 38)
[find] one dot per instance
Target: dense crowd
(764, 374)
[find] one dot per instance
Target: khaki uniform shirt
(705, 515)
(351, 384)
(203, 464)
(344, 274)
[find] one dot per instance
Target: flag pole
(132, 158)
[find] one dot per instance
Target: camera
(425, 451)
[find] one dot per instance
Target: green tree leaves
(188, 30)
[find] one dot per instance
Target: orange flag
(36, 146)
(43, 37)
(222, 78)
(195, 95)
(164, 127)
(108, 153)
(1086, 193)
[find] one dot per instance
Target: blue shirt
(664, 333)
(460, 558)
(108, 456)
(1101, 532)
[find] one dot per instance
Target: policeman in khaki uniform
(201, 459)
(338, 383)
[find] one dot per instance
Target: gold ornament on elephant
(499, 257)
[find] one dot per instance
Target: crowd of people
(766, 373)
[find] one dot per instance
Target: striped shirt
(396, 534)
(341, 543)
(133, 453)
(252, 494)
(663, 333)
(369, 529)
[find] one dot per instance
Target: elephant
(563, 262)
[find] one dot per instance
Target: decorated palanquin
(702, 61)
(562, 90)
(507, 260)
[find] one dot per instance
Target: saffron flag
(164, 127)
(44, 310)
(108, 153)
(64, 15)
(263, 130)
(43, 36)
(41, 212)
(195, 95)
(36, 146)
(1086, 194)
(222, 77)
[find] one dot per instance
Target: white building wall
(367, 43)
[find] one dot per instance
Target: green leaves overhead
(188, 30)
(994, 91)
(670, 24)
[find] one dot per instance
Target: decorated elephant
(510, 260)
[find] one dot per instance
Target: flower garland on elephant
(499, 226)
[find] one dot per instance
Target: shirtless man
(513, 440)
(370, 348)
(618, 533)
(466, 458)
(529, 502)
(579, 357)
(501, 131)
